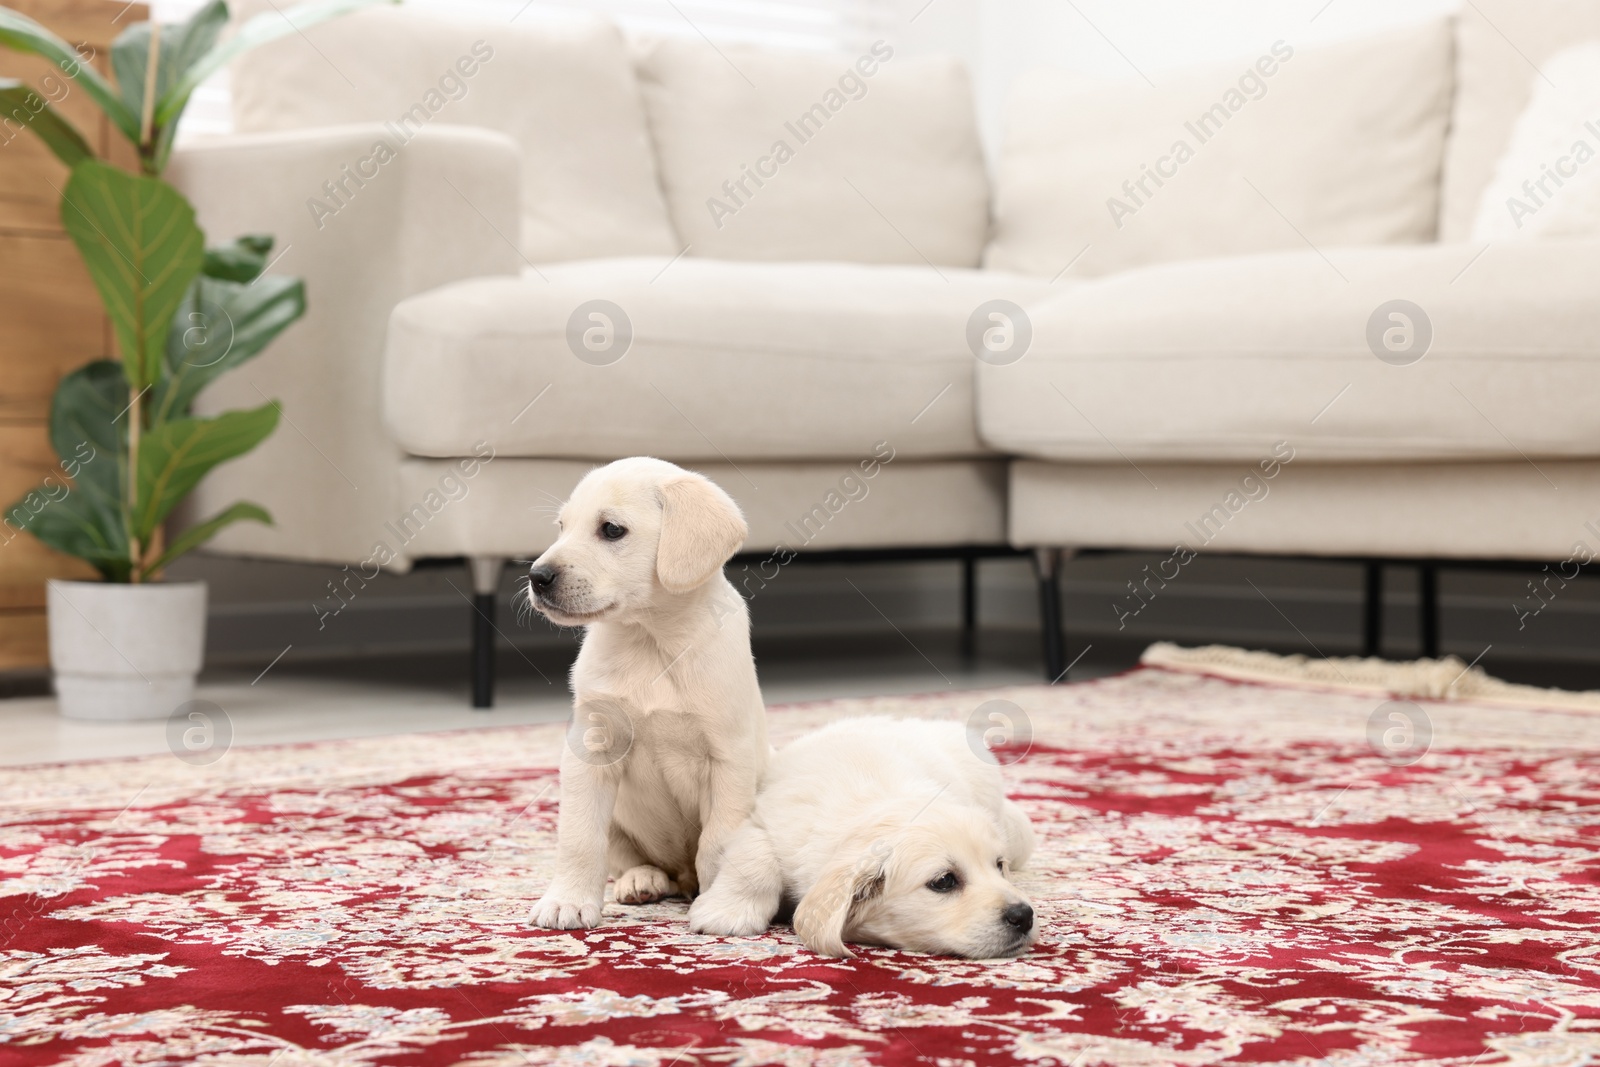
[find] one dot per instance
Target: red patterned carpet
(1228, 873)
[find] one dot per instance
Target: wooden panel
(51, 316)
(25, 458)
(24, 641)
(80, 21)
(30, 176)
(53, 322)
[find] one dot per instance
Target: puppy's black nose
(542, 578)
(1019, 916)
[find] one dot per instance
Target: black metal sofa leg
(1372, 611)
(1428, 609)
(1047, 566)
(485, 582)
(969, 606)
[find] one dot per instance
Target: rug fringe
(1448, 678)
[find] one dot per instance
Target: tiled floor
(313, 701)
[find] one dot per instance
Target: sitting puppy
(669, 734)
(880, 831)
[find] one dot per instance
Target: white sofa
(534, 247)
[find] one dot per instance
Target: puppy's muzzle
(545, 587)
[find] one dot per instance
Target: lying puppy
(881, 831)
(669, 734)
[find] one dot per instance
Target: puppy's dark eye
(945, 883)
(611, 531)
(1000, 865)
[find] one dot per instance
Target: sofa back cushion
(563, 89)
(1500, 46)
(1547, 184)
(1339, 145)
(782, 155)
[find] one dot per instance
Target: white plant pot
(122, 652)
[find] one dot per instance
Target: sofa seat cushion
(1223, 360)
(561, 86)
(692, 360)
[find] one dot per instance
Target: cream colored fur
(669, 731)
(853, 823)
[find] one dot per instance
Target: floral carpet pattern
(1227, 873)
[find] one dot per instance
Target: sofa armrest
(367, 219)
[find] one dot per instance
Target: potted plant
(131, 448)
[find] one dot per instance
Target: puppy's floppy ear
(701, 528)
(1018, 834)
(820, 917)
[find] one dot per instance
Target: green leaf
(229, 315)
(21, 34)
(139, 240)
(20, 103)
(242, 260)
(73, 526)
(87, 428)
(183, 45)
(89, 431)
(268, 26)
(174, 456)
(222, 325)
(200, 533)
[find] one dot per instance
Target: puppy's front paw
(644, 885)
(553, 912)
(727, 914)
